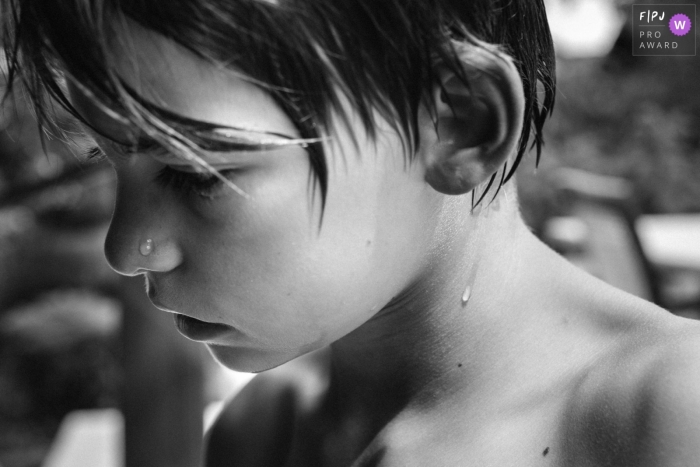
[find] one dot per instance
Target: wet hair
(379, 53)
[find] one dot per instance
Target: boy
(299, 175)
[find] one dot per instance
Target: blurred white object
(566, 233)
(60, 318)
(584, 28)
(92, 438)
(222, 385)
(671, 240)
(95, 438)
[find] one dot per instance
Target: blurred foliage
(632, 117)
(58, 353)
(59, 331)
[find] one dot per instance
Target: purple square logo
(663, 30)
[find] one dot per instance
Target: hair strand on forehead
(379, 54)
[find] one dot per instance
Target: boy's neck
(428, 341)
(511, 342)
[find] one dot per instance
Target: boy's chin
(248, 360)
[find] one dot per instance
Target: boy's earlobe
(477, 124)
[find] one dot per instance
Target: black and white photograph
(349, 233)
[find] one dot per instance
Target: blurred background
(90, 374)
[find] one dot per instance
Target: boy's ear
(476, 126)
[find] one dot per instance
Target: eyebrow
(221, 139)
(207, 136)
(214, 137)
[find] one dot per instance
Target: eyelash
(94, 154)
(198, 183)
(201, 184)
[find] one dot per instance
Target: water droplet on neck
(465, 296)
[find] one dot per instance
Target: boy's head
(383, 105)
(382, 54)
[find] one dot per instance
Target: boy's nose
(139, 240)
(132, 255)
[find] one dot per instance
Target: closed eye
(203, 184)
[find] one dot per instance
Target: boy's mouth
(192, 328)
(201, 331)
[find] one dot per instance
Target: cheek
(369, 245)
(255, 263)
(273, 267)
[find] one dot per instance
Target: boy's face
(283, 283)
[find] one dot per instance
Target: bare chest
(520, 441)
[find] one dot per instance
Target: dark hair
(380, 53)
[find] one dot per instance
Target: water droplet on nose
(146, 247)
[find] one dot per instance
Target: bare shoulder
(669, 404)
(640, 406)
(256, 427)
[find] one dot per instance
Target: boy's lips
(201, 331)
(192, 328)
